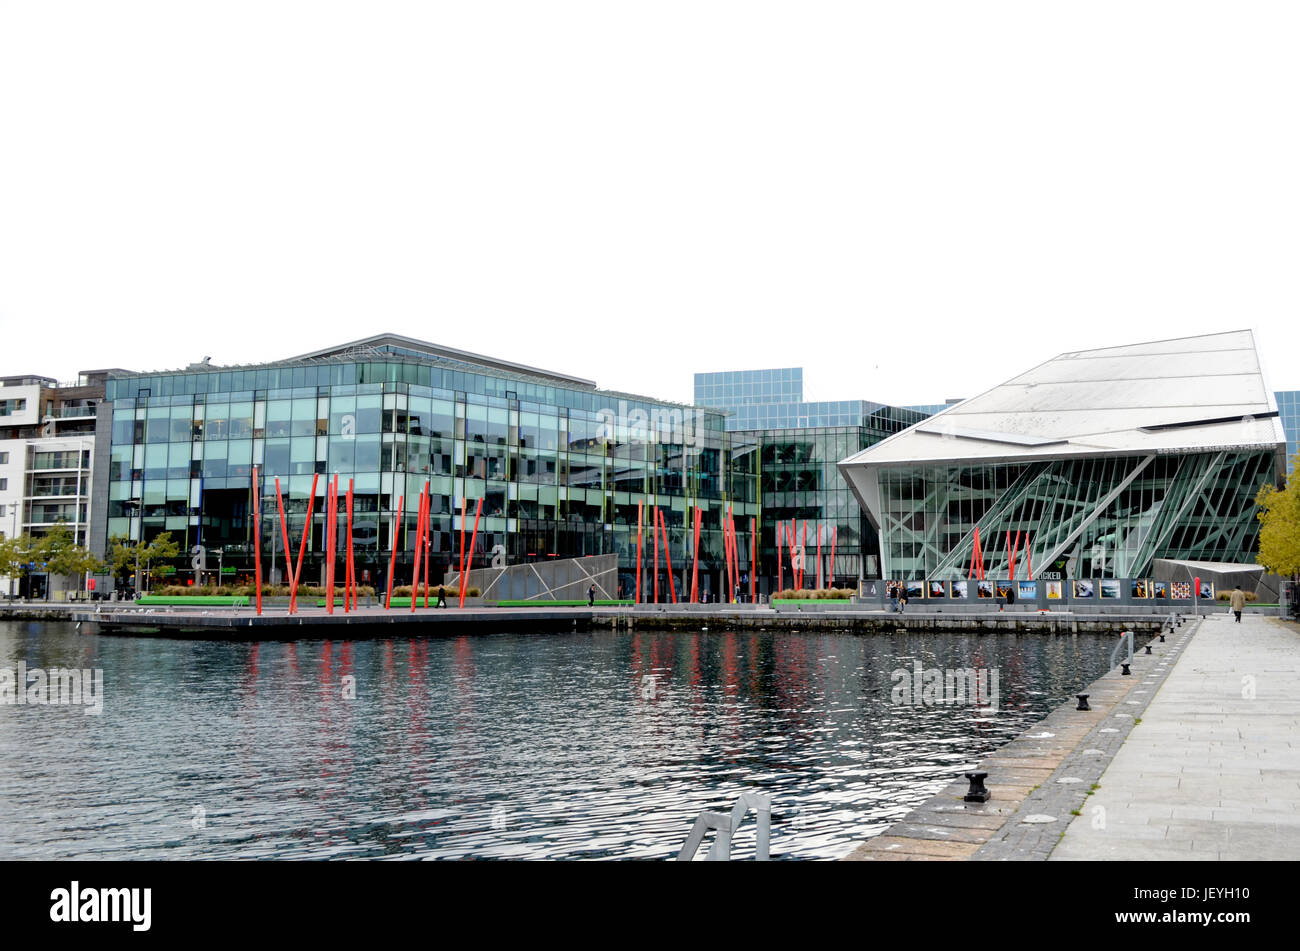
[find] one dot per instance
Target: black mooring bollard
(978, 792)
(1126, 672)
(1148, 648)
(1162, 637)
(1083, 702)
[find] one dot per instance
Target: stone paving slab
(1026, 769)
(1213, 770)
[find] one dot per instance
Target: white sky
(912, 200)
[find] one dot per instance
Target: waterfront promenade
(1213, 770)
(1196, 756)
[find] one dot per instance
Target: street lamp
(134, 506)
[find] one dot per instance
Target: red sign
(90, 584)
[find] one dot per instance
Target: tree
(124, 554)
(1279, 534)
(63, 556)
(15, 556)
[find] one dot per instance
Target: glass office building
(1092, 465)
(800, 444)
(560, 465)
(1288, 407)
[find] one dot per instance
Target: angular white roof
(1188, 394)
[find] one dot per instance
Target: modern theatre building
(1092, 465)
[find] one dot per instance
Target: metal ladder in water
(726, 827)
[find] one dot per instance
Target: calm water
(503, 746)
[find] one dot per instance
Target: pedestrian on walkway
(442, 597)
(591, 596)
(902, 597)
(1238, 602)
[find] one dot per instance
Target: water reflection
(539, 746)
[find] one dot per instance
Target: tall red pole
(1014, 552)
(464, 515)
(331, 502)
(819, 555)
(419, 552)
(428, 551)
(392, 558)
(351, 599)
(302, 550)
(1029, 558)
(654, 532)
(284, 527)
(835, 531)
(793, 538)
(478, 510)
(640, 507)
(753, 558)
(668, 558)
(780, 562)
(733, 578)
(804, 564)
(695, 552)
(257, 541)
(975, 547)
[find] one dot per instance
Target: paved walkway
(1212, 771)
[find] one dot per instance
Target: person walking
(902, 597)
(1011, 595)
(1238, 599)
(442, 597)
(893, 599)
(591, 596)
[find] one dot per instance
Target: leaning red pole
(464, 515)
(284, 527)
(351, 599)
(835, 531)
(419, 552)
(478, 510)
(780, 564)
(257, 541)
(819, 555)
(640, 506)
(695, 569)
(302, 550)
(392, 559)
(753, 558)
(331, 503)
(1029, 558)
(1015, 551)
(654, 532)
(668, 559)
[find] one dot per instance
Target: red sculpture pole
(753, 558)
(464, 516)
(668, 558)
(419, 552)
(835, 531)
(793, 538)
(302, 550)
(974, 552)
(654, 532)
(780, 563)
(478, 510)
(803, 566)
(284, 527)
(1029, 558)
(640, 507)
(695, 552)
(1015, 551)
(351, 599)
(257, 542)
(819, 555)
(392, 558)
(330, 502)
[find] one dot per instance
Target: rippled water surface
(496, 746)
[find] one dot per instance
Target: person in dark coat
(442, 597)
(591, 596)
